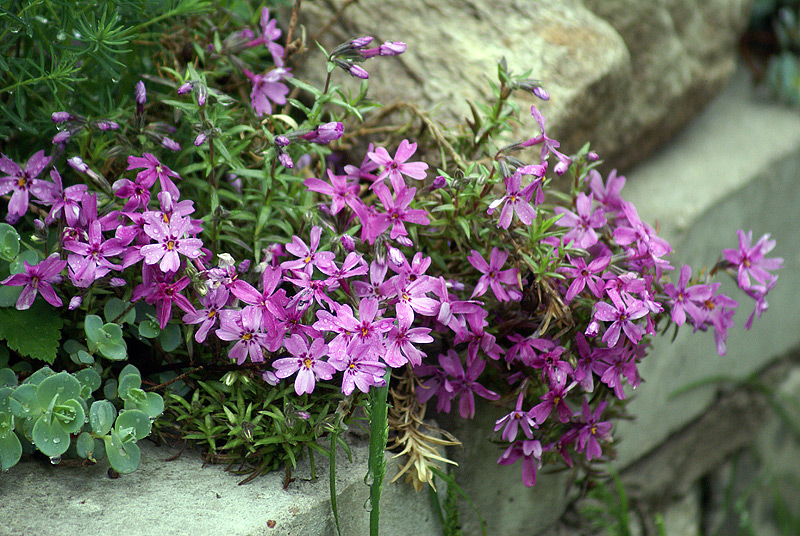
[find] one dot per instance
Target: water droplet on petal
(55, 460)
(56, 440)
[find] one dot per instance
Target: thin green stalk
(379, 434)
(332, 473)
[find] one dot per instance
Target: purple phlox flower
(170, 208)
(583, 275)
(437, 383)
(162, 291)
(397, 210)
(563, 443)
(396, 167)
(614, 363)
(718, 311)
(308, 256)
(361, 368)
(554, 369)
(306, 362)
(524, 348)
(464, 382)
(584, 363)
(759, 294)
(364, 172)
(514, 202)
(311, 290)
(750, 261)
(401, 347)
(270, 280)
(326, 321)
(269, 33)
(170, 243)
(353, 265)
(268, 87)
(324, 133)
(514, 420)
(553, 398)
(213, 303)
(153, 169)
(685, 299)
(504, 283)
(366, 329)
(136, 194)
(478, 338)
(449, 306)
(38, 278)
(90, 260)
(343, 191)
(23, 183)
(61, 117)
(583, 223)
(638, 232)
(413, 271)
(593, 431)
(66, 201)
(377, 286)
(608, 194)
(531, 452)
(244, 327)
(549, 145)
(411, 297)
(621, 315)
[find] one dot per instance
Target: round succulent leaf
(86, 446)
(110, 389)
(71, 346)
(101, 416)
(93, 326)
(9, 295)
(170, 338)
(149, 329)
(116, 307)
(128, 382)
(23, 401)
(17, 266)
(9, 242)
(71, 415)
(151, 403)
(90, 379)
(8, 378)
(63, 386)
(138, 420)
(50, 437)
(37, 377)
(123, 457)
(5, 396)
(84, 358)
(10, 450)
(117, 351)
(6, 422)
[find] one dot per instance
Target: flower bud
(61, 117)
(541, 93)
(404, 241)
(185, 88)
(396, 256)
(202, 94)
(439, 182)
(392, 48)
(348, 243)
(201, 138)
(77, 163)
(75, 302)
(282, 141)
(324, 134)
(107, 125)
(285, 160)
(116, 282)
(140, 93)
(358, 72)
(360, 42)
(62, 137)
(244, 266)
(592, 156)
(170, 144)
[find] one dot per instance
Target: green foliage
(34, 332)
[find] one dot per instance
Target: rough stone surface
(623, 74)
(183, 498)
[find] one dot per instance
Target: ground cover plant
(244, 260)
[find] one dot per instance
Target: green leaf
(10, 450)
(127, 383)
(50, 437)
(170, 337)
(7, 378)
(9, 242)
(123, 457)
(136, 420)
(23, 401)
(62, 386)
(148, 402)
(90, 381)
(86, 446)
(71, 416)
(18, 327)
(101, 416)
(149, 329)
(115, 307)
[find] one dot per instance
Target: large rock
(623, 74)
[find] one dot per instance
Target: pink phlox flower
(366, 329)
(608, 194)
(449, 306)
(583, 223)
(159, 289)
(396, 167)
(513, 202)
(269, 33)
(437, 383)
(515, 420)
(411, 271)
(268, 87)
(66, 201)
(306, 361)
(343, 191)
(213, 303)
(153, 169)
(23, 183)
(524, 348)
(90, 260)
(686, 299)
(613, 364)
(401, 344)
(553, 399)
(271, 278)
(329, 322)
(376, 287)
(465, 383)
(718, 311)
(585, 360)
(412, 297)
(504, 283)
(584, 275)
(554, 369)
(244, 327)
(759, 294)
(170, 244)
(361, 368)
(750, 261)
(646, 244)
(324, 133)
(363, 172)
(311, 290)
(308, 255)
(136, 194)
(549, 145)
(593, 431)
(354, 265)
(477, 338)
(530, 450)
(563, 443)
(397, 211)
(622, 315)
(38, 278)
